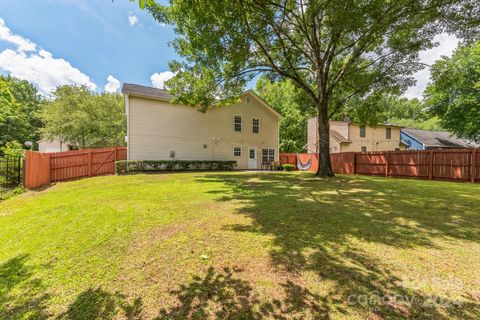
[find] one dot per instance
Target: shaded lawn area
(242, 246)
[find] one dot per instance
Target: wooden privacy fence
(438, 164)
(43, 168)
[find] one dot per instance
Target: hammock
(303, 166)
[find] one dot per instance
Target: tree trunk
(324, 164)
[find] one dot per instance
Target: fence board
(70, 165)
(439, 164)
(37, 169)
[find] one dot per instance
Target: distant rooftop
(439, 139)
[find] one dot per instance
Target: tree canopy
(293, 107)
(85, 118)
(333, 51)
(393, 109)
(19, 112)
(454, 93)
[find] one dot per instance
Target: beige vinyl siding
(312, 136)
(52, 146)
(157, 127)
(374, 140)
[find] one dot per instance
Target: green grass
(241, 246)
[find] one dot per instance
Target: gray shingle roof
(438, 139)
(143, 91)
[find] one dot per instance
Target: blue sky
(103, 42)
(100, 38)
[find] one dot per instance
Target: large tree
(454, 94)
(332, 50)
(85, 118)
(20, 105)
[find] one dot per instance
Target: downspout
(127, 112)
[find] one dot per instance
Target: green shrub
(7, 193)
(288, 167)
(132, 166)
(13, 149)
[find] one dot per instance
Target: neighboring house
(424, 140)
(346, 136)
(54, 145)
(247, 132)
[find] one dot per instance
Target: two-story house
(247, 132)
(348, 136)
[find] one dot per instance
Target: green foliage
(143, 3)
(288, 167)
(432, 124)
(85, 118)
(19, 113)
(454, 94)
(292, 105)
(130, 166)
(332, 50)
(393, 109)
(13, 149)
(7, 193)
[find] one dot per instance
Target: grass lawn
(241, 246)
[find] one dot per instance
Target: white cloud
(38, 66)
(23, 45)
(158, 79)
(113, 84)
(132, 19)
(447, 44)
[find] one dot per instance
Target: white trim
(248, 157)
(262, 102)
(275, 150)
(127, 111)
(241, 150)
(241, 123)
(258, 118)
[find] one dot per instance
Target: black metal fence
(11, 171)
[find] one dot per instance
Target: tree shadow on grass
(315, 223)
(21, 294)
(222, 294)
(97, 303)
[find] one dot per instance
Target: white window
(364, 149)
(268, 155)
(237, 124)
(237, 151)
(256, 125)
(251, 154)
(388, 133)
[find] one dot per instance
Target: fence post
(386, 164)
(354, 161)
(473, 172)
(19, 178)
(430, 166)
(90, 162)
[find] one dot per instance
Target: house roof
(338, 136)
(438, 139)
(161, 94)
(366, 124)
(147, 92)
